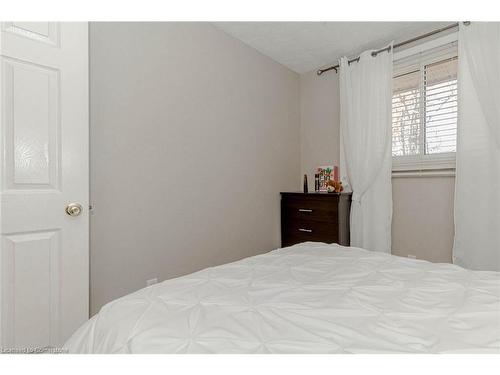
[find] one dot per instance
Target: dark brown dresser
(321, 217)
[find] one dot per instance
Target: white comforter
(308, 298)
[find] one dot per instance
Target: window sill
(449, 172)
(438, 165)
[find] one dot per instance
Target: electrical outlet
(152, 281)
(412, 256)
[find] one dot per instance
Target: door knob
(74, 209)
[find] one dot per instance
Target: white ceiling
(304, 46)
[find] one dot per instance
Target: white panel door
(44, 252)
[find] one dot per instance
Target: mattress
(308, 298)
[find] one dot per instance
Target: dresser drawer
(311, 208)
(301, 231)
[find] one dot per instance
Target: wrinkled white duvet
(308, 298)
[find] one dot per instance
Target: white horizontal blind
(406, 108)
(424, 108)
(441, 106)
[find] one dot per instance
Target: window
(424, 110)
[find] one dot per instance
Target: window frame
(420, 164)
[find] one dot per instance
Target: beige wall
(422, 207)
(319, 123)
(193, 136)
(422, 219)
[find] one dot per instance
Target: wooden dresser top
(314, 194)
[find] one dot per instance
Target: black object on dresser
(321, 217)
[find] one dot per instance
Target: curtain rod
(375, 53)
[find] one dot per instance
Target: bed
(307, 298)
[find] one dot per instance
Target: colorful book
(325, 174)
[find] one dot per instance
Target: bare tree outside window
(441, 105)
(406, 115)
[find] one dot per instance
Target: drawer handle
(305, 210)
(305, 230)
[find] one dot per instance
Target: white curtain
(365, 125)
(477, 183)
